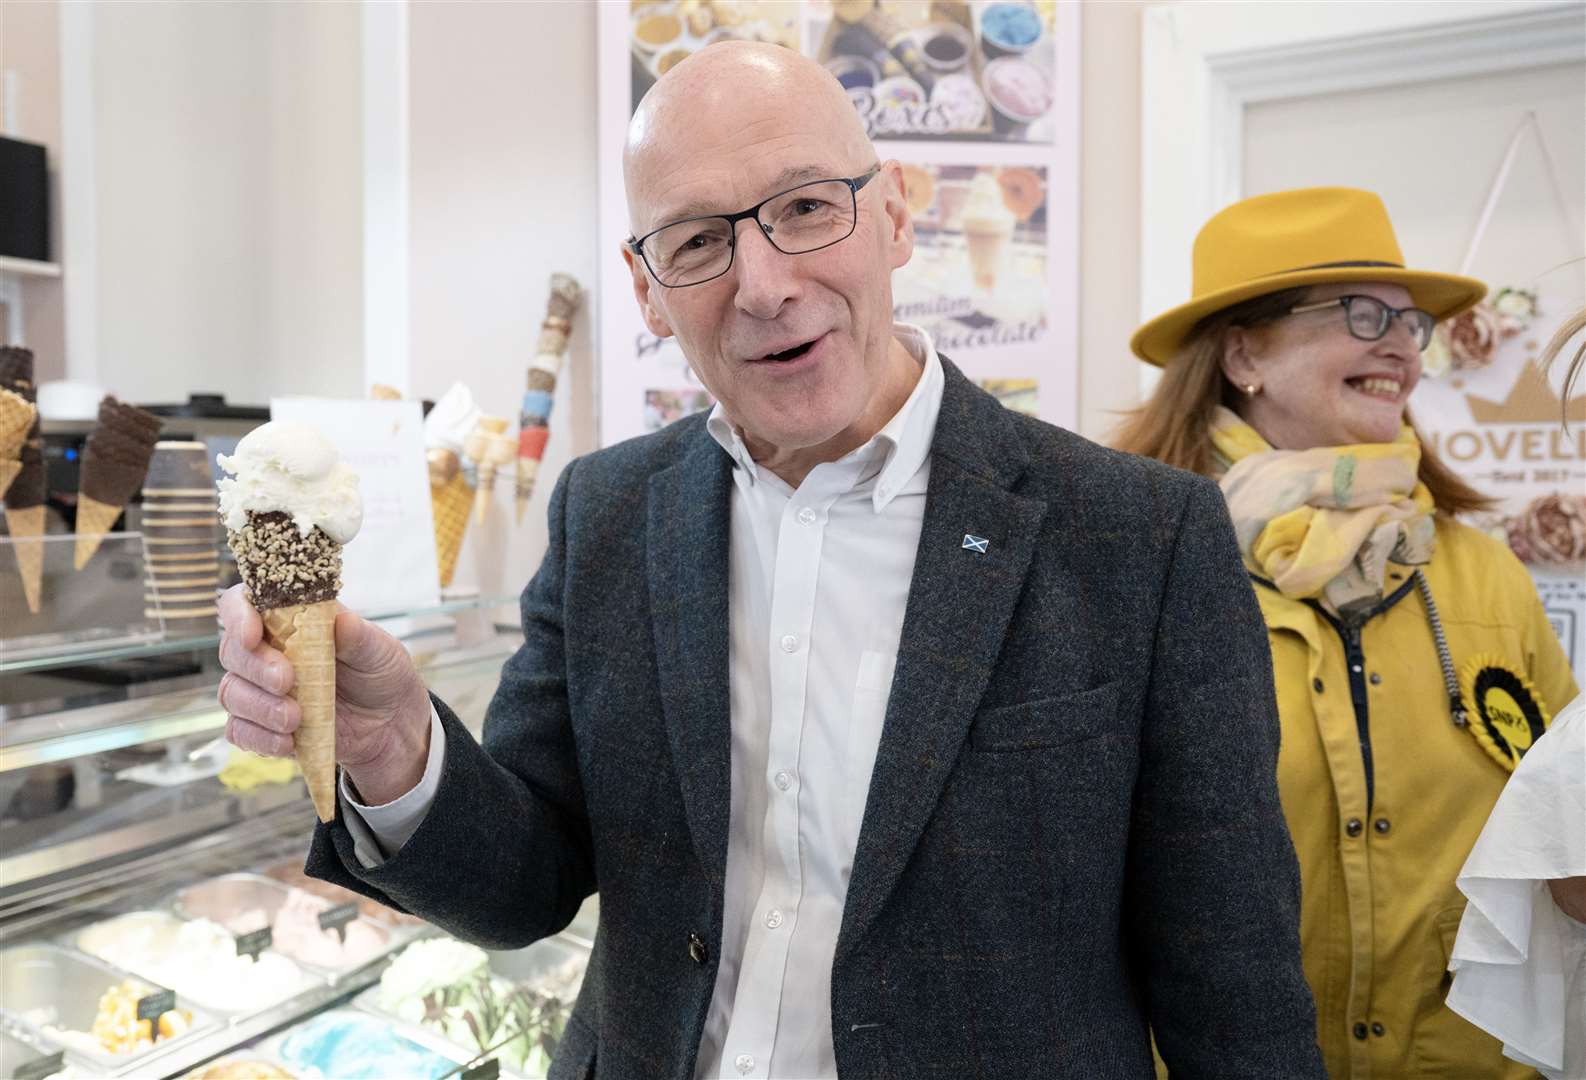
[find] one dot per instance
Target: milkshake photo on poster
(978, 275)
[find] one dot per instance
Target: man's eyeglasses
(1369, 318)
(797, 221)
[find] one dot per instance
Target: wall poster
(979, 101)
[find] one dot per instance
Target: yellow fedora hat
(1309, 236)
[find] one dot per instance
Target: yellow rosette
(1506, 713)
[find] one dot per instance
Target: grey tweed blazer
(1072, 837)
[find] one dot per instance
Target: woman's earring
(1250, 389)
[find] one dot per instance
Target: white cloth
(1519, 962)
(819, 580)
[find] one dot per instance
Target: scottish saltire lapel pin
(978, 544)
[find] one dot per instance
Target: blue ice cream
(351, 1047)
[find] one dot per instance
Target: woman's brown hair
(1174, 424)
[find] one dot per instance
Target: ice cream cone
(489, 449)
(94, 519)
(8, 473)
(27, 531)
(450, 503)
(306, 633)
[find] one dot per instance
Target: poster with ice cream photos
(977, 99)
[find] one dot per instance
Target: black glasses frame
(1390, 313)
(855, 183)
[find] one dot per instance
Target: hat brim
(1442, 295)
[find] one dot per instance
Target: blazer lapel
(960, 602)
(687, 536)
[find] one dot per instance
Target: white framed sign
(983, 113)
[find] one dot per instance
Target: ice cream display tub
(198, 959)
(18, 1058)
(244, 903)
(512, 1005)
(343, 1044)
(55, 994)
(290, 873)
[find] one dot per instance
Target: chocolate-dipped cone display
(17, 415)
(24, 497)
(115, 462)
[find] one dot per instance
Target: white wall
(30, 56)
(502, 192)
(1431, 149)
(226, 157)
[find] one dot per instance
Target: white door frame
(1203, 63)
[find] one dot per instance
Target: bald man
(901, 735)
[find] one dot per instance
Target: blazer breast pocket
(1047, 723)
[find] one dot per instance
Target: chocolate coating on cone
(281, 566)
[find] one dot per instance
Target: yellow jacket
(1379, 909)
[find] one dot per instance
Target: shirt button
(1382, 825)
(1360, 1031)
(1354, 826)
(1376, 680)
(745, 1063)
(806, 516)
(783, 780)
(773, 919)
(790, 643)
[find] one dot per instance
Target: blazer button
(1360, 1031)
(1353, 827)
(1382, 825)
(696, 949)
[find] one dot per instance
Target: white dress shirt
(818, 584)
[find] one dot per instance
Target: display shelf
(99, 729)
(211, 641)
(28, 267)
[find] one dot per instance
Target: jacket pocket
(1445, 1044)
(1047, 722)
(575, 1057)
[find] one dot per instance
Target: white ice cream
(197, 959)
(985, 206)
(452, 418)
(293, 469)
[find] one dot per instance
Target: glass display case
(154, 918)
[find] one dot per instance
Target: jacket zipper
(1355, 661)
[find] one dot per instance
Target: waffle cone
(94, 519)
(27, 530)
(8, 473)
(306, 633)
(450, 503)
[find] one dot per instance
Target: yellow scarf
(1325, 522)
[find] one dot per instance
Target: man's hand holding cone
(381, 707)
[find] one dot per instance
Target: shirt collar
(902, 444)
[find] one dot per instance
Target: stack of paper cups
(181, 528)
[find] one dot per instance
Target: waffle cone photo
(306, 634)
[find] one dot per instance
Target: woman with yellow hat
(1413, 661)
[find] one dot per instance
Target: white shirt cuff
(378, 832)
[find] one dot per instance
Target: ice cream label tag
(488, 1069)
(255, 943)
(153, 1006)
(39, 1068)
(337, 918)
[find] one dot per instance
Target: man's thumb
(364, 647)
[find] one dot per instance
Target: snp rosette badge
(1507, 714)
